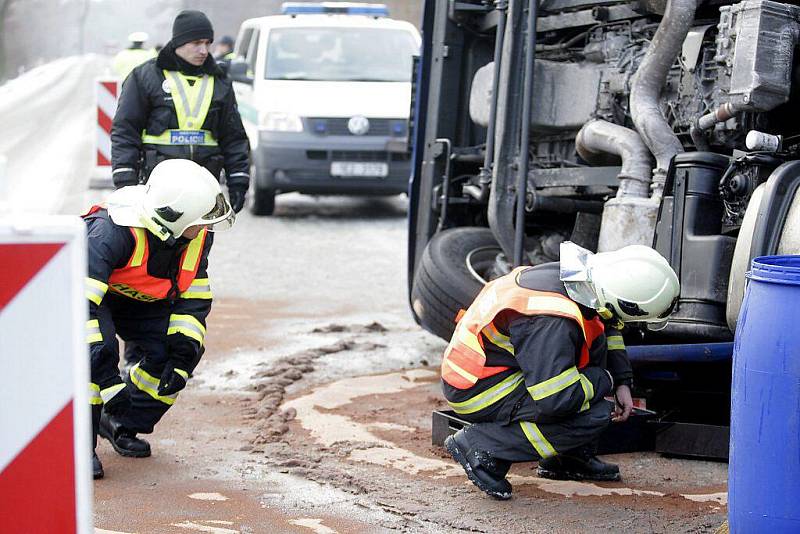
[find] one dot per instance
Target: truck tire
(263, 201)
(446, 281)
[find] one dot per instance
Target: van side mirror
(238, 72)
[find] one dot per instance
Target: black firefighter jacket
(110, 247)
(547, 346)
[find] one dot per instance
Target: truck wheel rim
(480, 260)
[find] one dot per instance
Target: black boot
(123, 440)
(488, 473)
(578, 464)
(97, 467)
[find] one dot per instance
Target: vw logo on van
(358, 125)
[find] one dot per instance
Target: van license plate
(358, 169)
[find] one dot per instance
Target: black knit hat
(190, 26)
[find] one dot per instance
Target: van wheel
(263, 201)
(453, 269)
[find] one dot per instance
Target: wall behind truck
(33, 32)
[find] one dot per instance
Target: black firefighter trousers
(513, 429)
(143, 327)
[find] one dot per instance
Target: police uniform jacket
(145, 106)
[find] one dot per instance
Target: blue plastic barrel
(764, 469)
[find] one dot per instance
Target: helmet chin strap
(158, 229)
(609, 318)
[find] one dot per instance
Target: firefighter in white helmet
(147, 283)
(533, 357)
(133, 56)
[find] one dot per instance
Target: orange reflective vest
(464, 360)
(135, 282)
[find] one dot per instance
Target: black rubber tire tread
(442, 284)
(263, 201)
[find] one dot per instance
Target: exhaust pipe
(649, 81)
(599, 137)
(630, 217)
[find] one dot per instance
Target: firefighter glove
(172, 380)
(236, 195)
(119, 403)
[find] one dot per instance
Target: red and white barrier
(107, 91)
(45, 428)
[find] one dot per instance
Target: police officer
(147, 283)
(180, 105)
(533, 357)
(224, 53)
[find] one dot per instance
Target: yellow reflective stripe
(464, 373)
(94, 394)
(147, 383)
(109, 393)
(183, 373)
(588, 392)
(538, 440)
(616, 343)
(469, 339)
(559, 305)
(551, 386)
(188, 326)
(93, 334)
(95, 290)
(200, 289)
(193, 252)
(138, 251)
(488, 397)
(493, 334)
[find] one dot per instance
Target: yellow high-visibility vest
(191, 101)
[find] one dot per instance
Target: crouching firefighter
(147, 283)
(535, 354)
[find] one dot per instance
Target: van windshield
(340, 54)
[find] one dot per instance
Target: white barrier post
(3, 185)
(107, 93)
(45, 427)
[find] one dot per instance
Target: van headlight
(281, 122)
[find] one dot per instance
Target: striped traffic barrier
(107, 92)
(45, 441)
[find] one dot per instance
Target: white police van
(324, 91)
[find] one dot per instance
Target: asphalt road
(311, 409)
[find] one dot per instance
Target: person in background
(180, 105)
(133, 56)
(223, 53)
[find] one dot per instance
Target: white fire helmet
(635, 283)
(138, 37)
(179, 194)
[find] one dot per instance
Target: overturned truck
(671, 124)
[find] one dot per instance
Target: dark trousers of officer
(143, 327)
(499, 431)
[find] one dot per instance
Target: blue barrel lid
(776, 269)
